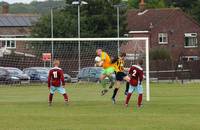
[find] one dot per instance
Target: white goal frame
(146, 39)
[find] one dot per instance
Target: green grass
(172, 107)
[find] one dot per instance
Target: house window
(190, 58)
(190, 40)
(9, 44)
(163, 38)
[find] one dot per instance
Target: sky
(17, 1)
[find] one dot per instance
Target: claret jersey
(136, 75)
(56, 77)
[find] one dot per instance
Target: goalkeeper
(108, 70)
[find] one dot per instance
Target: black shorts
(120, 76)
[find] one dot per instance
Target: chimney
(142, 5)
(5, 8)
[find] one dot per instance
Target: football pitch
(172, 107)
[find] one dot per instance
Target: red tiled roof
(138, 21)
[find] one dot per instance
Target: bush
(160, 54)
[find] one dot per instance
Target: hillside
(34, 7)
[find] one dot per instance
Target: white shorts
(138, 89)
(60, 89)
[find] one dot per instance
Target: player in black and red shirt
(136, 76)
(56, 82)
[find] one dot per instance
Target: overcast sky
(17, 1)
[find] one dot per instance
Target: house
(16, 53)
(14, 26)
(168, 28)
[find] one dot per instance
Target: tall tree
(149, 3)
(156, 4)
(34, 7)
(133, 3)
(98, 19)
(185, 5)
(191, 7)
(195, 11)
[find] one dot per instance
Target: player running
(108, 70)
(120, 75)
(56, 82)
(136, 74)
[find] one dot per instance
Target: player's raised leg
(115, 92)
(103, 83)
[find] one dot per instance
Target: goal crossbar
(73, 39)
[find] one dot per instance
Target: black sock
(115, 92)
(127, 87)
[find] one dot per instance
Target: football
(97, 59)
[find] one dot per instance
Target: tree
(156, 4)
(133, 4)
(191, 7)
(34, 7)
(63, 25)
(98, 19)
(195, 11)
(149, 3)
(185, 5)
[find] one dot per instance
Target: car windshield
(15, 72)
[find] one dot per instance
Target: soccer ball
(97, 59)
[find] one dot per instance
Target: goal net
(74, 53)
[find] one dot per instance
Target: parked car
(90, 74)
(40, 74)
(68, 78)
(37, 74)
(13, 75)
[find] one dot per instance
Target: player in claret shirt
(56, 82)
(136, 74)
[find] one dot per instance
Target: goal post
(34, 51)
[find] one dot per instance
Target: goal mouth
(75, 54)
